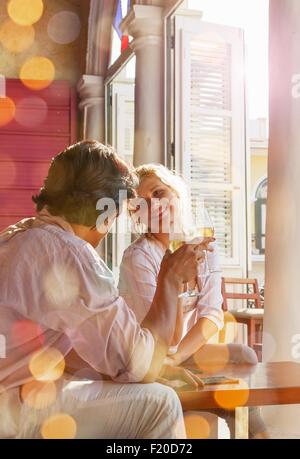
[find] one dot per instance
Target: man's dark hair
(81, 175)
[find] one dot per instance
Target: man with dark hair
(61, 315)
(80, 176)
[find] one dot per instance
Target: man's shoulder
(52, 241)
(56, 235)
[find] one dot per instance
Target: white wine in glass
(207, 231)
(175, 244)
(177, 241)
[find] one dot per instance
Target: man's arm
(161, 321)
(104, 332)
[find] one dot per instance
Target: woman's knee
(240, 353)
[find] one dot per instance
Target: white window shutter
(122, 140)
(210, 139)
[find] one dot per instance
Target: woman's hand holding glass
(183, 263)
(192, 239)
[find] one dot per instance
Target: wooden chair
(253, 315)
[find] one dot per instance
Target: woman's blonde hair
(171, 180)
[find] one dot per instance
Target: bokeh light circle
(25, 12)
(216, 358)
(47, 365)
(196, 426)
(7, 110)
(230, 327)
(64, 27)
(59, 426)
(16, 38)
(34, 117)
(61, 286)
(39, 395)
(231, 399)
(24, 331)
(37, 73)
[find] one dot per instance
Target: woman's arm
(210, 314)
(198, 335)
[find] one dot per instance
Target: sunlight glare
(25, 12)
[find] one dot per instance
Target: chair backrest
(251, 284)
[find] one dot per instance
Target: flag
(117, 21)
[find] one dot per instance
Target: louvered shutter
(122, 140)
(210, 141)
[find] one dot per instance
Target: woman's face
(162, 201)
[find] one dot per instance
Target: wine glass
(206, 229)
(178, 240)
(203, 229)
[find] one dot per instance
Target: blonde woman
(198, 318)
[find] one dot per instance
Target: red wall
(44, 124)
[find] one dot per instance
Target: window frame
(111, 249)
(258, 205)
(238, 263)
